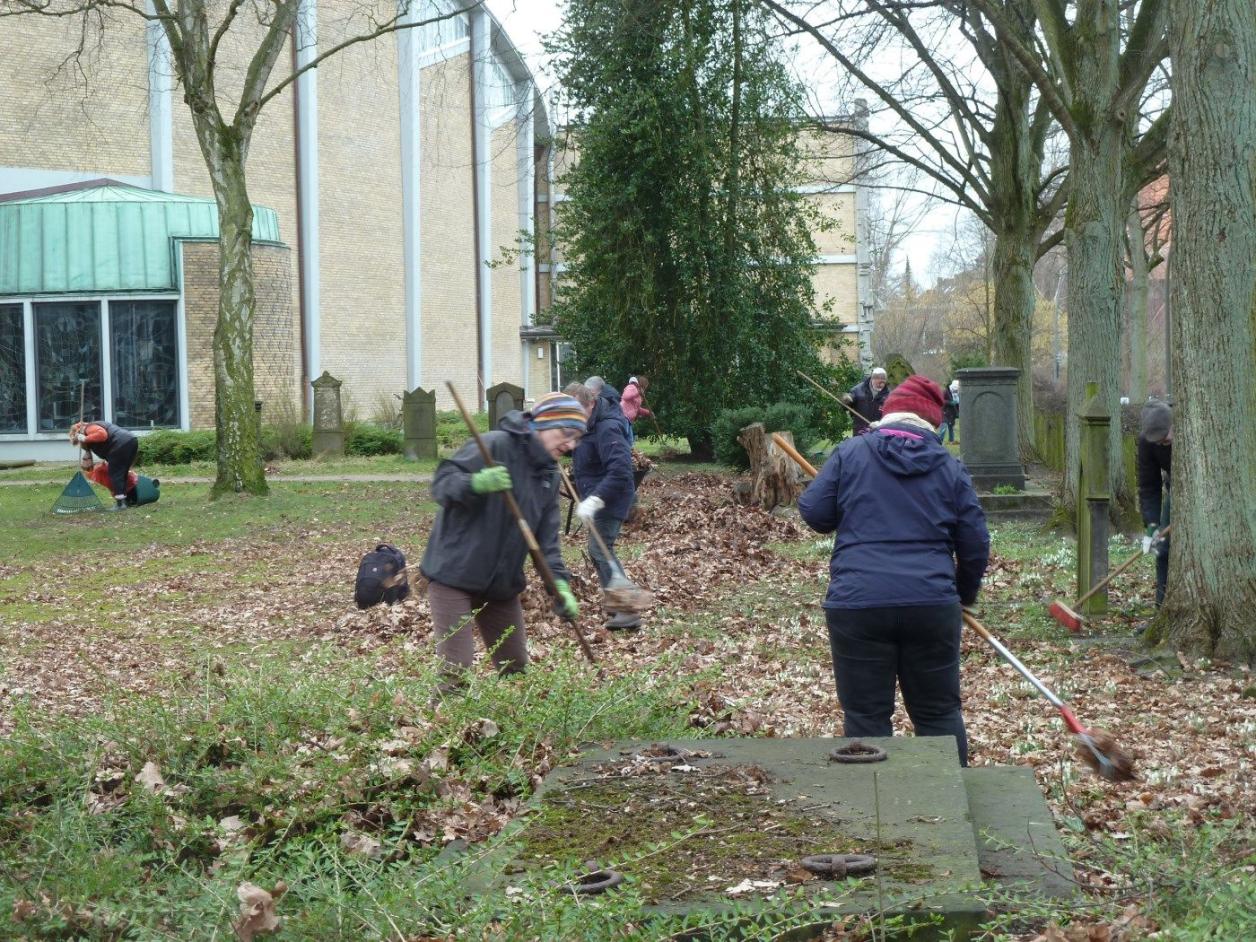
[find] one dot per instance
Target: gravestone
(754, 813)
(502, 398)
(990, 445)
(418, 417)
(329, 430)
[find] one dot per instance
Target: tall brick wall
(840, 208)
(54, 116)
(362, 249)
(507, 287)
(840, 283)
(275, 345)
(448, 240)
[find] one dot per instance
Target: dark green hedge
(778, 417)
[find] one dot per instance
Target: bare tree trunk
(1012, 330)
(1136, 293)
(1212, 162)
(1095, 223)
(239, 455)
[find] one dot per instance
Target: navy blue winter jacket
(910, 530)
(602, 462)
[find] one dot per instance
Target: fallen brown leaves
(738, 624)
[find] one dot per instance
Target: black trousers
(916, 648)
(119, 462)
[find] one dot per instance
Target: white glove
(1147, 543)
(587, 509)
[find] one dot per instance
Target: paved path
(422, 477)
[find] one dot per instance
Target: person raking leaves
(117, 448)
(474, 558)
(910, 550)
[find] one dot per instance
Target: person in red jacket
(632, 402)
(117, 447)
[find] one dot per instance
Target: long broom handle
(597, 537)
(1120, 569)
(785, 446)
(831, 396)
(538, 558)
(652, 415)
(1070, 720)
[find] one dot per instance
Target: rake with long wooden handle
(1069, 616)
(621, 593)
(831, 396)
(538, 557)
(1096, 748)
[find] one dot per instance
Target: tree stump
(774, 477)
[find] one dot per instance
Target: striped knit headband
(557, 410)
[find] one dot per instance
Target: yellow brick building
(394, 185)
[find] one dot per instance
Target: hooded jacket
(602, 462)
(910, 530)
(475, 545)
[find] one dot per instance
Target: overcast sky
(529, 22)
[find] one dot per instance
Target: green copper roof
(104, 236)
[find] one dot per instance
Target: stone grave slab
(1017, 844)
(751, 810)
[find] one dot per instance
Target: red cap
(918, 394)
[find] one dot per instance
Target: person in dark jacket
(1155, 467)
(602, 467)
(117, 447)
(868, 398)
(474, 558)
(910, 549)
(950, 412)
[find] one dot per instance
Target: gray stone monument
(501, 399)
(418, 416)
(329, 429)
(989, 441)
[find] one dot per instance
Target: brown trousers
(500, 623)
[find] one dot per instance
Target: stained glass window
(67, 353)
(144, 349)
(12, 370)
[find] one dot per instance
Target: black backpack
(381, 577)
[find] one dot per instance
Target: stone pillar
(329, 430)
(1093, 501)
(501, 399)
(989, 443)
(418, 416)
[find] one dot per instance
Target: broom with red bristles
(1069, 616)
(1094, 747)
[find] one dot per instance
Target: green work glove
(490, 480)
(567, 605)
(1151, 529)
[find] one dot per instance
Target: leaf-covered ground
(154, 610)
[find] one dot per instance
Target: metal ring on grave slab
(839, 865)
(663, 752)
(858, 752)
(599, 881)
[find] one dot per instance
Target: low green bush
(362, 438)
(778, 417)
(169, 446)
(451, 431)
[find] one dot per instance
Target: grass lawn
(189, 702)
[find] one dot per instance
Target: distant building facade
(393, 185)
